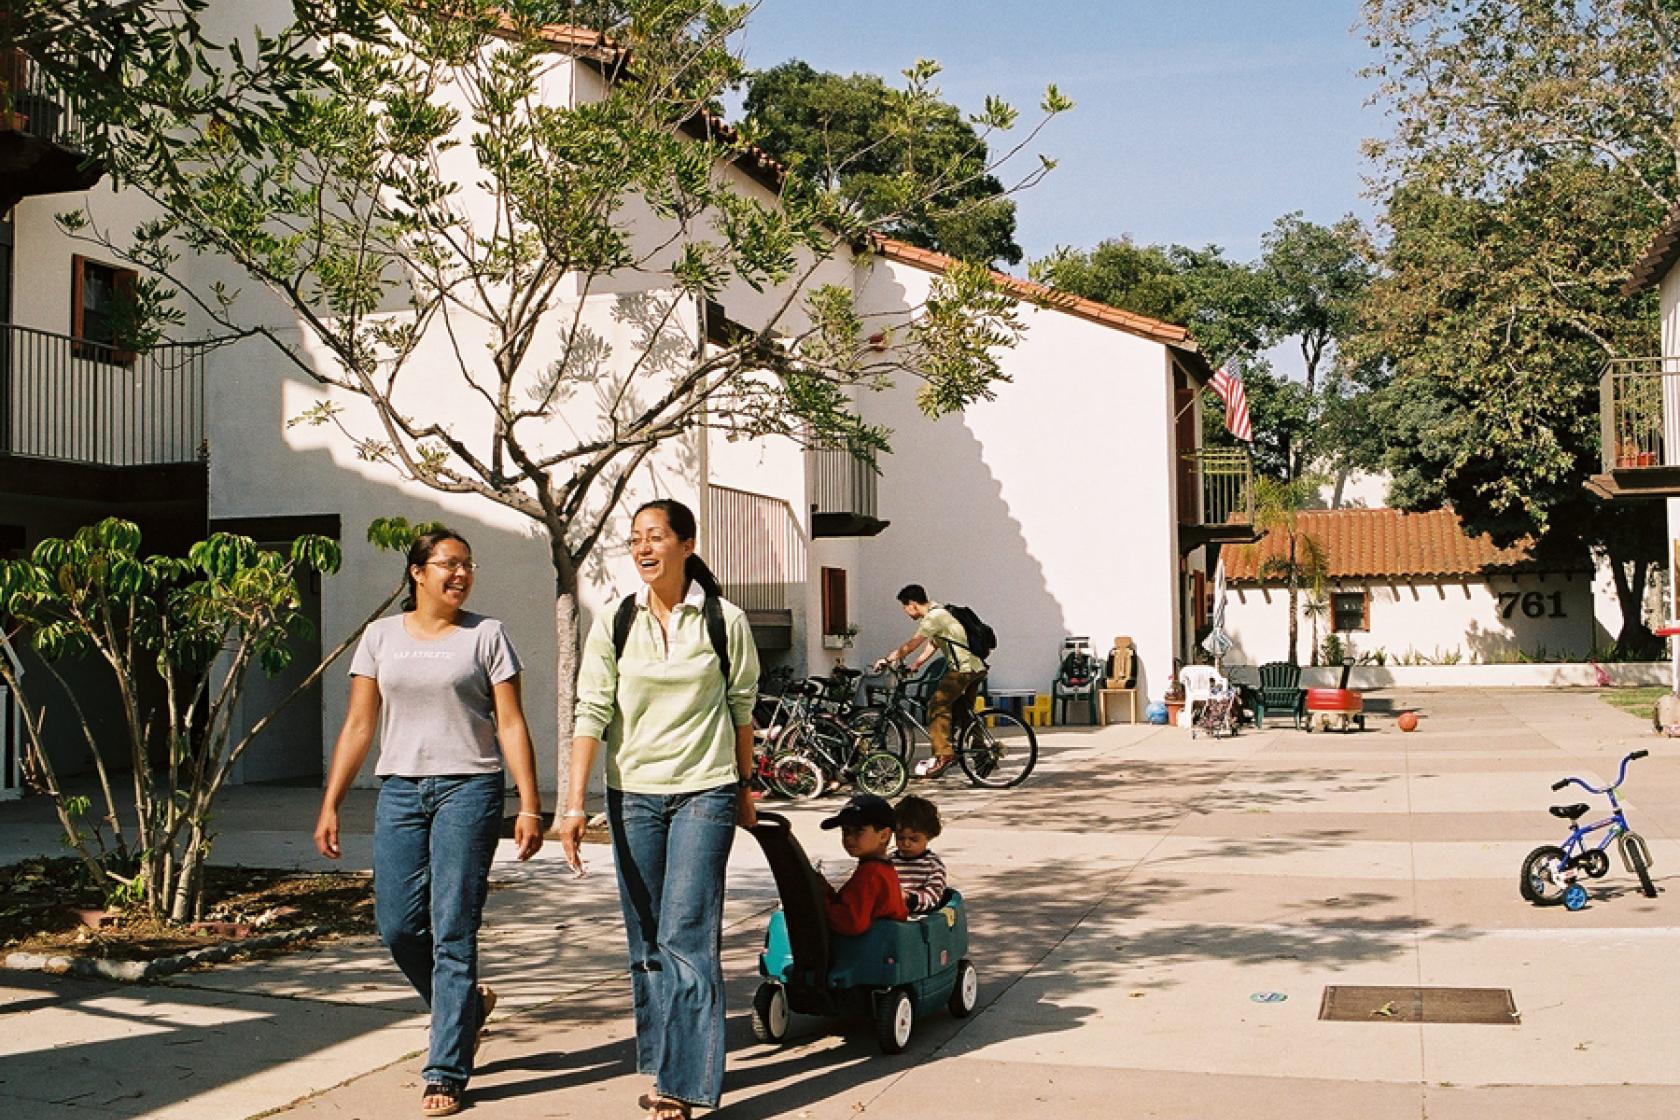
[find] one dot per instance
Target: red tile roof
(1167, 333)
(1659, 256)
(1390, 544)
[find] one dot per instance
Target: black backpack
(982, 639)
(625, 616)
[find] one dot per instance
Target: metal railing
(1638, 401)
(756, 548)
(1224, 479)
(840, 483)
(33, 104)
(73, 400)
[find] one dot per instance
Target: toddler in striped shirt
(921, 873)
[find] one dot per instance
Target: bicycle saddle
(1569, 812)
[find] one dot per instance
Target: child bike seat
(1569, 812)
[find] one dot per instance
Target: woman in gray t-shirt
(441, 686)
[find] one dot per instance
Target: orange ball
(1407, 721)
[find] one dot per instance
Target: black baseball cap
(863, 810)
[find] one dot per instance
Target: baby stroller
(1219, 712)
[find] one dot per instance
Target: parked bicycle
(1549, 872)
(993, 747)
(807, 750)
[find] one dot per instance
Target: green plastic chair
(1280, 691)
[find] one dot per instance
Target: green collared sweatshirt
(663, 711)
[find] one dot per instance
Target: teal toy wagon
(892, 974)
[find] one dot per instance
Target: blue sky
(1198, 121)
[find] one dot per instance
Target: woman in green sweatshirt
(676, 718)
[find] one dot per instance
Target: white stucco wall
(1048, 510)
(1431, 620)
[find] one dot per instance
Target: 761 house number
(1534, 604)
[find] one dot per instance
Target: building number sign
(1534, 604)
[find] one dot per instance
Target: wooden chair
(1280, 691)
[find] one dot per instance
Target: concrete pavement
(1125, 906)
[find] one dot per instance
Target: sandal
(486, 1004)
(449, 1095)
(664, 1108)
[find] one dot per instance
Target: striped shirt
(922, 879)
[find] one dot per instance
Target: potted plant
(841, 639)
(1174, 699)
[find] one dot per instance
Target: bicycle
(994, 749)
(810, 750)
(1548, 872)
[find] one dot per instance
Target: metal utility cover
(1355, 1004)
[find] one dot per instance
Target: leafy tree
(183, 634)
(879, 149)
(432, 205)
(1535, 151)
(1317, 276)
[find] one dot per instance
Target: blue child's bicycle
(1549, 872)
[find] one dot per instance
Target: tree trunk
(566, 648)
(1294, 605)
(188, 887)
(1635, 639)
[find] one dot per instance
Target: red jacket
(872, 892)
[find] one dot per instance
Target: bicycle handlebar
(1621, 775)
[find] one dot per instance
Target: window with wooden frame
(1350, 610)
(834, 617)
(98, 293)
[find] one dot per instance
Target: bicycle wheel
(997, 750)
(1638, 858)
(881, 730)
(1542, 881)
(882, 773)
(826, 742)
(797, 776)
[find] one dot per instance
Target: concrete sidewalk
(1125, 905)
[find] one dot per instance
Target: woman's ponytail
(695, 569)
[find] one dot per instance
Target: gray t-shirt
(435, 714)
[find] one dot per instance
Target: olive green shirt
(941, 627)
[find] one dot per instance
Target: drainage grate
(1352, 1004)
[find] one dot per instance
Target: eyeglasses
(453, 566)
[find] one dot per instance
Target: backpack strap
(713, 610)
(625, 617)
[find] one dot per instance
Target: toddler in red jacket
(866, 830)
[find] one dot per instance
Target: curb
(138, 971)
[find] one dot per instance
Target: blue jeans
(433, 839)
(671, 851)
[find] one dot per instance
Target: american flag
(1229, 386)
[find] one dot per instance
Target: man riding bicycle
(938, 631)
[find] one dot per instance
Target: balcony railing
(756, 548)
(1639, 401)
(843, 495)
(34, 105)
(1223, 479)
(72, 400)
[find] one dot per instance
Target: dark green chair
(1280, 691)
